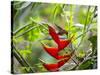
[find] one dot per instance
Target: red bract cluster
(53, 51)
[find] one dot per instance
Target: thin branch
(84, 27)
(26, 31)
(75, 62)
(85, 61)
(21, 60)
(92, 16)
(18, 30)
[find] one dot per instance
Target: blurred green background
(30, 20)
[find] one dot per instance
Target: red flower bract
(51, 67)
(54, 35)
(53, 51)
(56, 66)
(62, 43)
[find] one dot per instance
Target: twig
(84, 28)
(18, 30)
(75, 62)
(21, 60)
(26, 31)
(85, 61)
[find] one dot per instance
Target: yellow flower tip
(72, 38)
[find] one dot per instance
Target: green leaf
(57, 11)
(21, 5)
(86, 65)
(21, 28)
(33, 35)
(93, 40)
(25, 53)
(80, 54)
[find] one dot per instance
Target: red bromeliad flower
(53, 51)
